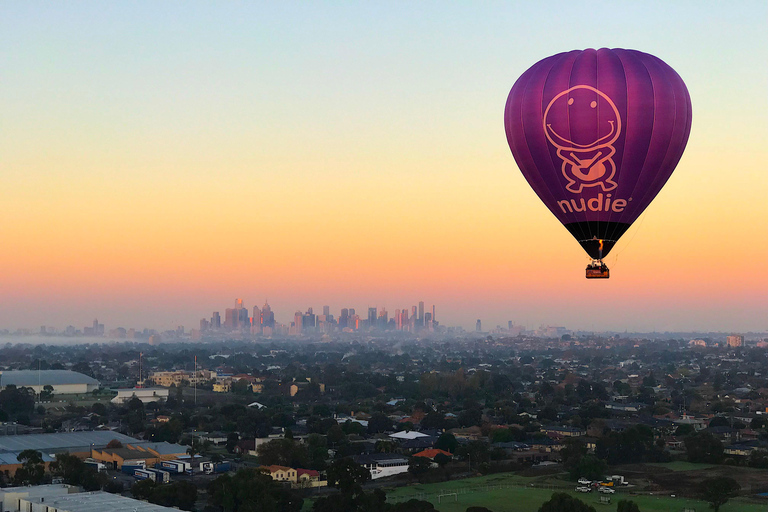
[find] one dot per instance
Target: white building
(146, 395)
(63, 381)
(66, 498)
(383, 464)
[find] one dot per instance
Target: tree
(447, 442)
(573, 451)
(379, 422)
(627, 506)
(76, 472)
(283, 452)
(15, 401)
(413, 505)
(704, 447)
(232, 439)
(114, 444)
(718, 491)
(250, 490)
(47, 393)
(562, 502)
(589, 467)
(348, 476)
(181, 494)
(419, 466)
(32, 470)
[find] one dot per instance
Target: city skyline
(157, 161)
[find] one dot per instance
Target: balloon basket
(597, 270)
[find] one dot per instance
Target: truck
(161, 477)
(143, 474)
(156, 475)
(128, 469)
(95, 464)
(214, 467)
(619, 480)
(175, 466)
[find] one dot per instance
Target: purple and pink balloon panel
(597, 133)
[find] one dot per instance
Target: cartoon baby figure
(587, 150)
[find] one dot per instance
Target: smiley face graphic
(583, 144)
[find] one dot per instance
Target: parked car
(607, 490)
(583, 488)
(584, 481)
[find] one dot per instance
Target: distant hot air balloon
(597, 133)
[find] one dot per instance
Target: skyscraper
(371, 317)
(267, 316)
(216, 320)
(478, 326)
(327, 311)
(421, 312)
(298, 322)
(256, 321)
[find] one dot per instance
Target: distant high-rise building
(298, 322)
(327, 311)
(256, 321)
(478, 326)
(204, 324)
(216, 321)
(371, 317)
(309, 321)
(238, 303)
(267, 317)
(421, 311)
(230, 319)
(383, 320)
(509, 325)
(735, 341)
(433, 313)
(243, 321)
(398, 320)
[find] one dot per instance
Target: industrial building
(146, 395)
(62, 381)
(66, 498)
(86, 444)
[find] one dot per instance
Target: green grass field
(527, 499)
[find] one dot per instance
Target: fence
(472, 489)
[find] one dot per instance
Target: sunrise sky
(160, 159)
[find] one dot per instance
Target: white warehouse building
(146, 395)
(67, 498)
(62, 381)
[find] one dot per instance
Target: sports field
(509, 493)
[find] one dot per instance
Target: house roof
(407, 434)
(275, 468)
(432, 453)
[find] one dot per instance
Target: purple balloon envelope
(597, 133)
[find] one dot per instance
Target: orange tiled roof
(432, 453)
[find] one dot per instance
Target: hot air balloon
(597, 134)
